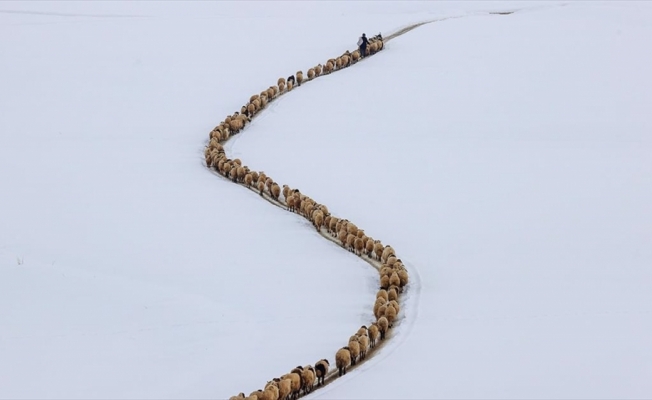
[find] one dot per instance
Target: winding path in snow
(413, 288)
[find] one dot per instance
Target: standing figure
(362, 44)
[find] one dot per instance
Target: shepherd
(362, 44)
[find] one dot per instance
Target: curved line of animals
(393, 274)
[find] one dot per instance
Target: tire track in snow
(412, 293)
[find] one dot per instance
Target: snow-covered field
(505, 158)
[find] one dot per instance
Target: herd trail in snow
(413, 288)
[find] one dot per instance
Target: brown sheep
(403, 277)
(311, 73)
(354, 349)
(318, 219)
(387, 251)
(290, 85)
(328, 68)
(392, 294)
(381, 310)
(384, 282)
(364, 345)
(396, 306)
(261, 187)
(374, 334)
(394, 280)
(358, 244)
(248, 180)
(284, 387)
(378, 249)
(251, 109)
(341, 235)
(350, 241)
(390, 314)
(299, 77)
(275, 191)
(276, 90)
(369, 247)
(291, 203)
(270, 392)
(351, 228)
(281, 81)
(258, 394)
(270, 93)
(281, 87)
(286, 191)
(342, 360)
(355, 56)
(295, 385)
(382, 293)
(307, 379)
(239, 396)
(318, 70)
(383, 325)
(362, 331)
(321, 370)
(331, 226)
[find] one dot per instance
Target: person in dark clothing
(362, 43)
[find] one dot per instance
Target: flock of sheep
(393, 274)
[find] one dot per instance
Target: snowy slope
(127, 270)
(506, 159)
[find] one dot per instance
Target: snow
(505, 158)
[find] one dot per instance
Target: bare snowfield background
(505, 158)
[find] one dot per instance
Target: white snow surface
(505, 158)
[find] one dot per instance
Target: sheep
(284, 387)
(251, 109)
(318, 219)
(290, 85)
(390, 314)
(281, 87)
(382, 293)
(295, 385)
(276, 91)
(403, 277)
(261, 187)
(350, 240)
(369, 247)
(270, 92)
(374, 333)
(268, 183)
(239, 396)
(391, 260)
(318, 70)
(384, 282)
(241, 172)
(321, 370)
(387, 251)
(396, 306)
(378, 249)
(311, 74)
(362, 331)
(286, 192)
(358, 244)
(364, 345)
(342, 360)
(308, 379)
(275, 191)
(341, 235)
(233, 175)
(377, 306)
(394, 280)
(328, 68)
(248, 180)
(254, 175)
(352, 228)
(281, 81)
(258, 395)
(355, 56)
(270, 392)
(380, 311)
(332, 224)
(392, 294)
(354, 349)
(299, 76)
(383, 325)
